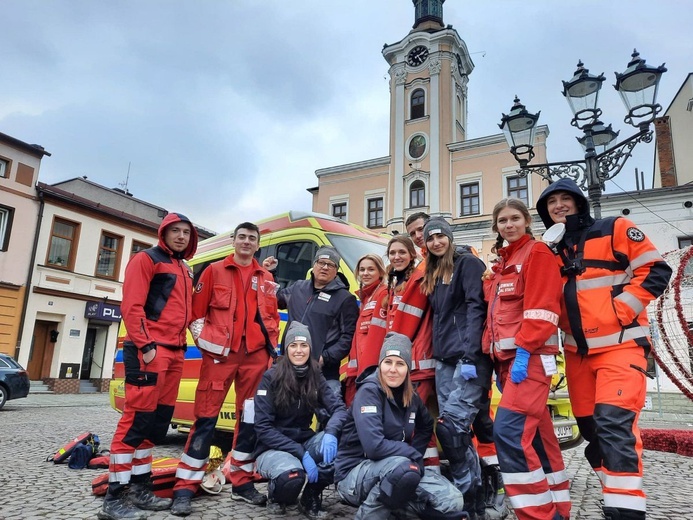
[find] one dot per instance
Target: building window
(138, 246)
(685, 242)
(418, 104)
(417, 194)
(6, 217)
(469, 199)
(63, 244)
(109, 255)
(4, 168)
(517, 187)
(339, 210)
(375, 212)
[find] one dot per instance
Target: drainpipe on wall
(31, 274)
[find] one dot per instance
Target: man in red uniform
(157, 295)
(235, 311)
(611, 271)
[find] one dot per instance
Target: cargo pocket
(209, 398)
(141, 391)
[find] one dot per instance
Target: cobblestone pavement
(30, 488)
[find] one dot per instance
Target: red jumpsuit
(157, 294)
(524, 294)
(240, 332)
(363, 354)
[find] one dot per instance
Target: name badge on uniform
(506, 287)
(324, 296)
(369, 306)
(253, 283)
(412, 418)
(369, 409)
(397, 300)
(549, 362)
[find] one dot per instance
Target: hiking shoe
(275, 508)
(250, 495)
(311, 504)
(181, 506)
(120, 509)
(141, 496)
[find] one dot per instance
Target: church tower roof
(428, 15)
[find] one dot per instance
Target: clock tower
(429, 71)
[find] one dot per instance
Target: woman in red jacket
(523, 293)
(370, 273)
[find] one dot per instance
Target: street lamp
(637, 87)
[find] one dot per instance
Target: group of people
(432, 329)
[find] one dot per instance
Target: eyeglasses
(326, 265)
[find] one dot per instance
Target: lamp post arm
(550, 172)
(611, 161)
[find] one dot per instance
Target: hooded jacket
(363, 354)
(157, 292)
(377, 427)
(329, 313)
(287, 431)
(611, 271)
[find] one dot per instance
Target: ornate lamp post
(637, 86)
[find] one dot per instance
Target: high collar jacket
(523, 295)
(377, 428)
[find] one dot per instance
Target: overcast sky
(225, 109)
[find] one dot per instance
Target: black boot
(141, 496)
(119, 508)
(181, 506)
(310, 503)
(494, 492)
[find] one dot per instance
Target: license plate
(563, 432)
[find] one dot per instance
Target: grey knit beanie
(437, 225)
(328, 253)
(396, 344)
(297, 332)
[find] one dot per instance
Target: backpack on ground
(163, 478)
(81, 456)
(64, 453)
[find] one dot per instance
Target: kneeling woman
(379, 467)
(289, 394)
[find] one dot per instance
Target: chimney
(665, 151)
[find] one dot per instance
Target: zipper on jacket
(183, 331)
(493, 306)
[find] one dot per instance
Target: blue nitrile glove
(328, 447)
(518, 372)
(467, 371)
(310, 467)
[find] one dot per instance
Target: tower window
(418, 104)
(417, 194)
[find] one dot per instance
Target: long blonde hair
(378, 264)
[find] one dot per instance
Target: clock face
(417, 146)
(417, 55)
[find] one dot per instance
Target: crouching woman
(379, 467)
(290, 393)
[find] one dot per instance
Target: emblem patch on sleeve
(198, 287)
(369, 409)
(635, 234)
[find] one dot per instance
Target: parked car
(14, 381)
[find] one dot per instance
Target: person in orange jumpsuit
(370, 273)
(611, 271)
(523, 293)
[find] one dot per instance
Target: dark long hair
(288, 388)
(408, 244)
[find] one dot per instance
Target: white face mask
(554, 234)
